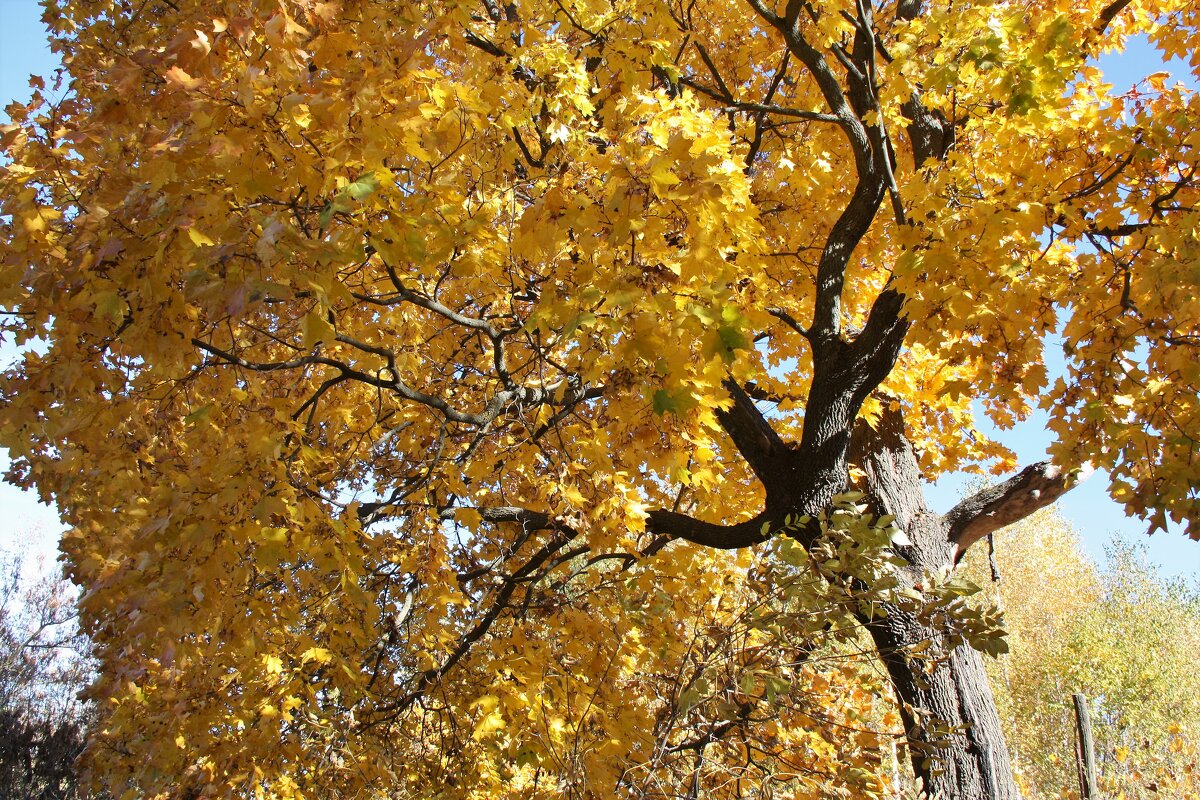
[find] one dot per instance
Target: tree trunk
(958, 749)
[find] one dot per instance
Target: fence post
(1085, 754)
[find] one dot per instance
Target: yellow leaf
(179, 79)
(318, 654)
(491, 721)
(468, 516)
(661, 177)
(302, 115)
(199, 238)
(487, 703)
(315, 329)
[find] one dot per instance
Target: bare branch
(393, 384)
(1030, 490)
(788, 320)
(1109, 14)
(757, 108)
(712, 68)
(709, 534)
(490, 48)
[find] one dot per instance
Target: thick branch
(1033, 488)
(847, 232)
(756, 440)
(1109, 14)
(892, 474)
(856, 218)
(879, 343)
(709, 534)
(529, 520)
(490, 48)
(660, 523)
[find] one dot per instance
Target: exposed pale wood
(1085, 753)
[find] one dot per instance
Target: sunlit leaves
(321, 283)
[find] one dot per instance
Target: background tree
(1121, 635)
(369, 325)
(43, 666)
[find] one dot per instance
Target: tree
(1120, 634)
(43, 664)
(381, 340)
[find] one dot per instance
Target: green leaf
(109, 304)
(335, 206)
(732, 340)
(199, 414)
(363, 187)
(730, 314)
(585, 319)
(665, 403)
(958, 586)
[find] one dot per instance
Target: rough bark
(957, 746)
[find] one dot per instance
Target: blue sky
(26, 526)
(33, 528)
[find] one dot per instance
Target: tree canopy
(416, 377)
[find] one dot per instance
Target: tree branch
(892, 474)
(529, 520)
(879, 343)
(756, 440)
(709, 534)
(508, 586)
(788, 320)
(858, 214)
(394, 384)
(1033, 488)
(1109, 14)
(732, 104)
(660, 523)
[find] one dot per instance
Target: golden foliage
(310, 286)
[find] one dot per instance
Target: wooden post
(1085, 754)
